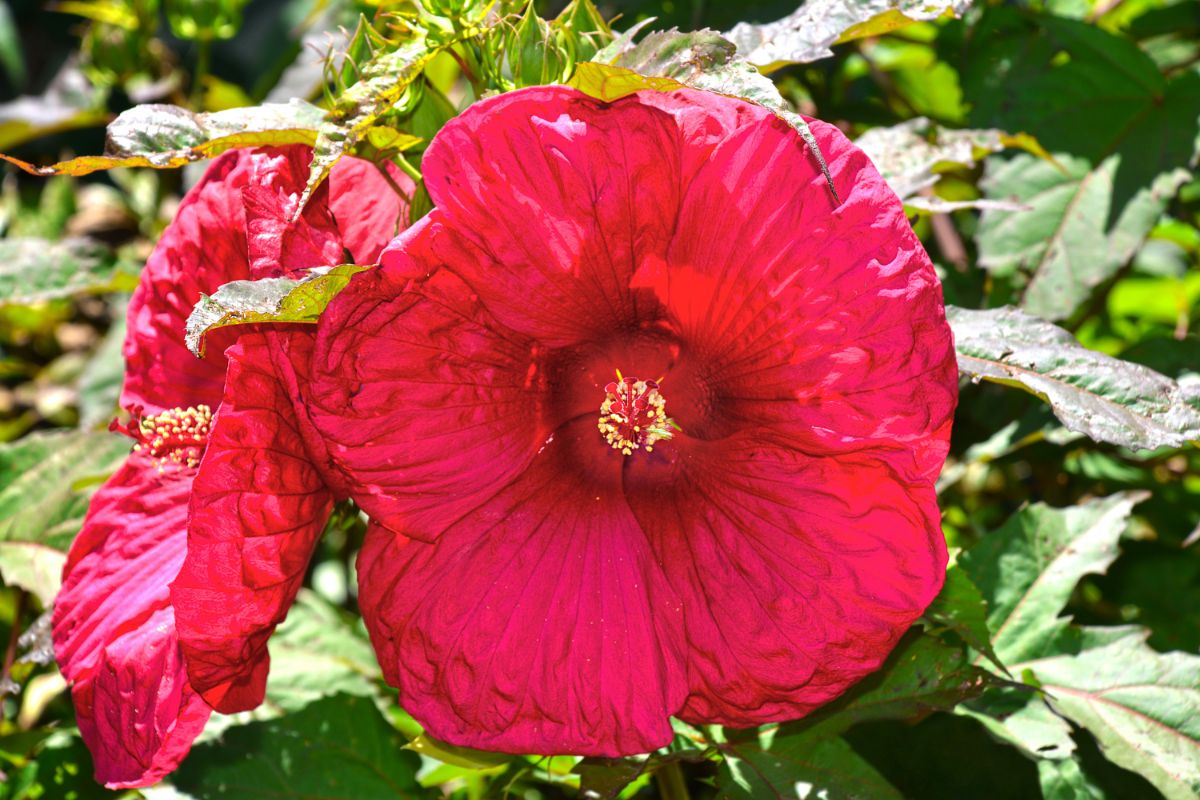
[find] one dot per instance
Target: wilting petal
(797, 574)
(550, 191)
(114, 629)
(426, 403)
(542, 624)
(822, 321)
(258, 506)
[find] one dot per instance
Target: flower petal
(550, 190)
(823, 322)
(366, 208)
(540, 625)
(797, 574)
(425, 403)
(114, 628)
(258, 506)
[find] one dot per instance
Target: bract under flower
(531, 588)
(114, 623)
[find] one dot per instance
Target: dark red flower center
(633, 415)
(178, 435)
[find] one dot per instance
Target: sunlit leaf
(1142, 706)
(267, 300)
(33, 270)
(46, 480)
(961, 608)
(909, 154)
(69, 102)
(164, 137)
(1123, 135)
(798, 766)
(1102, 397)
(808, 33)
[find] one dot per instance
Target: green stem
(408, 170)
(203, 56)
(671, 783)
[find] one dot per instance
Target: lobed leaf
(1124, 136)
(1094, 394)
(1142, 706)
(808, 33)
(1028, 568)
(164, 136)
(267, 300)
(961, 608)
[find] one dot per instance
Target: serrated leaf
(39, 501)
(908, 154)
(1028, 568)
(798, 766)
(339, 747)
(1022, 718)
(808, 33)
(165, 137)
(1124, 134)
(1099, 396)
(700, 60)
(34, 270)
(1142, 706)
(267, 300)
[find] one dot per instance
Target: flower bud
(536, 52)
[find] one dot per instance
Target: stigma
(633, 415)
(176, 436)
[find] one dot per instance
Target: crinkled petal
(542, 624)
(234, 225)
(797, 574)
(114, 628)
(426, 404)
(825, 323)
(258, 506)
(550, 190)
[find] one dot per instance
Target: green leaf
(1123, 133)
(1065, 780)
(1099, 396)
(1028, 568)
(338, 747)
(69, 102)
(808, 33)
(316, 653)
(909, 155)
(267, 300)
(34, 270)
(604, 778)
(798, 766)
(923, 674)
(39, 501)
(961, 608)
(101, 380)
(164, 137)
(1143, 707)
(1022, 718)
(666, 60)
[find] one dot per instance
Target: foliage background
(1052, 524)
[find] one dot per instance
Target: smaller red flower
(114, 625)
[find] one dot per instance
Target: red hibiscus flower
(114, 627)
(646, 422)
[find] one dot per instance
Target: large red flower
(646, 422)
(114, 626)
